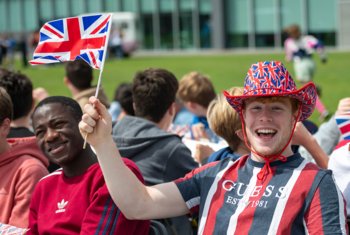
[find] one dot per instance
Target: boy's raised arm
(134, 199)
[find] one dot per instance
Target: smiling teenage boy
(269, 191)
(73, 199)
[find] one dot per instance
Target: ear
(191, 105)
(295, 115)
(172, 109)
(5, 127)
(239, 133)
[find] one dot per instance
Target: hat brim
(306, 95)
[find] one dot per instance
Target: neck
(166, 120)
(74, 90)
(261, 158)
(202, 112)
(21, 122)
(242, 149)
(81, 163)
(4, 146)
(163, 124)
(121, 115)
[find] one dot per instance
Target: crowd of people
(175, 152)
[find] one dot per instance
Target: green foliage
(225, 70)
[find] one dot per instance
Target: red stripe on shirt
(313, 216)
(219, 197)
(246, 218)
(297, 197)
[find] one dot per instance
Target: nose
(266, 115)
(51, 134)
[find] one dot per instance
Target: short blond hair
(197, 88)
(224, 120)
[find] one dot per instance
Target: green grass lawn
(225, 70)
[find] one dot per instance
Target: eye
(255, 107)
(39, 133)
(277, 108)
(60, 124)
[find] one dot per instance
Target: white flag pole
(102, 65)
(104, 56)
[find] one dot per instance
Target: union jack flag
(343, 122)
(81, 37)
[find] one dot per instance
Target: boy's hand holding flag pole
(82, 37)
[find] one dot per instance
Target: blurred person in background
(122, 103)
(144, 137)
(196, 91)
(78, 79)
(300, 49)
(24, 98)
(226, 123)
(20, 89)
(22, 165)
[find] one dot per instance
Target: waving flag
(82, 37)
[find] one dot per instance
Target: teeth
(266, 131)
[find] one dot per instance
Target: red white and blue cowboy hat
(271, 78)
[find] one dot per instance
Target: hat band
(268, 91)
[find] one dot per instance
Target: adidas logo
(61, 205)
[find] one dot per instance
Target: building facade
(196, 24)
